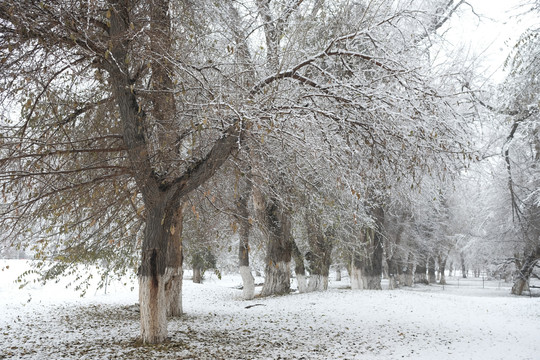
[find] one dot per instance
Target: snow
(425, 322)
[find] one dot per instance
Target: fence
(480, 282)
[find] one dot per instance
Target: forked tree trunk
(299, 268)
(174, 271)
(278, 256)
(320, 253)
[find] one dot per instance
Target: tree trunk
(319, 258)
(442, 269)
(248, 282)
(522, 282)
(394, 260)
(174, 271)
(463, 268)
(420, 276)
(152, 300)
(372, 264)
(357, 282)
(161, 195)
(278, 255)
(372, 271)
(299, 268)
(432, 279)
(197, 275)
(338, 273)
(408, 279)
(393, 273)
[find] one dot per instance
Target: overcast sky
(494, 33)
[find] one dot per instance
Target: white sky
(493, 34)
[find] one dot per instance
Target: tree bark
(395, 263)
(432, 279)
(420, 276)
(299, 268)
(152, 300)
(372, 265)
(525, 271)
(442, 269)
(197, 275)
(320, 253)
(242, 216)
(174, 271)
(408, 279)
(277, 227)
(463, 268)
(357, 280)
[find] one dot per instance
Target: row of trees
(138, 126)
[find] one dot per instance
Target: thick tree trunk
(522, 282)
(432, 279)
(319, 258)
(372, 270)
(278, 255)
(393, 273)
(152, 300)
(372, 264)
(174, 271)
(299, 268)
(277, 279)
(420, 276)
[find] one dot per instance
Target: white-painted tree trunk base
(173, 290)
(277, 279)
(318, 283)
(356, 279)
(153, 309)
(248, 283)
(302, 283)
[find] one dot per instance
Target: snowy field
(427, 322)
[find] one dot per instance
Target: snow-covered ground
(51, 322)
